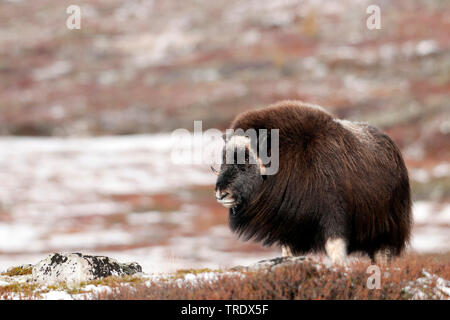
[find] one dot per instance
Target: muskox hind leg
(286, 251)
(336, 249)
(382, 256)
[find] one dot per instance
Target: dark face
(237, 183)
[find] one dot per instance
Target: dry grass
(19, 291)
(302, 281)
(18, 271)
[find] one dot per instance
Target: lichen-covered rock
(76, 268)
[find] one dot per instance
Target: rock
(76, 268)
(271, 264)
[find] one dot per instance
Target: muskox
(341, 186)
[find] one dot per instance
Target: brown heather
(301, 281)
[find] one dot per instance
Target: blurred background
(86, 115)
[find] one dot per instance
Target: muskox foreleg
(336, 249)
(286, 251)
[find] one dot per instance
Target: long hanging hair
(350, 181)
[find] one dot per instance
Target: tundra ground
(413, 276)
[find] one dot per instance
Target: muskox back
(336, 180)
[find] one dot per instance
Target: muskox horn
(214, 171)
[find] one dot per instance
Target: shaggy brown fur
(336, 179)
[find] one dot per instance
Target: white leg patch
(286, 251)
(337, 250)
